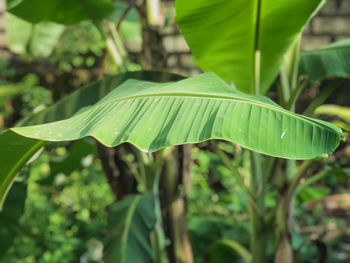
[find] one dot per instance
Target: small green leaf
(130, 223)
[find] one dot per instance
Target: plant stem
(174, 185)
(124, 14)
(152, 185)
(114, 46)
(258, 236)
(289, 89)
(284, 215)
(296, 179)
(312, 180)
(160, 255)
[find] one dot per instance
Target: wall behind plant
(332, 23)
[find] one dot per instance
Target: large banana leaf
(66, 12)
(223, 35)
(153, 116)
(130, 221)
(333, 60)
(15, 152)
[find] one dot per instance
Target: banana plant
(153, 115)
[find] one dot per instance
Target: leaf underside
(152, 116)
(130, 223)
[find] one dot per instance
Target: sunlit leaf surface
(223, 35)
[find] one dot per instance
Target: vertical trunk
(117, 171)
(284, 250)
(284, 212)
(258, 237)
(175, 177)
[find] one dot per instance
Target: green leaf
(15, 152)
(152, 116)
(223, 35)
(38, 40)
(333, 60)
(130, 221)
(65, 12)
(222, 251)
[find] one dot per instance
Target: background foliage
(64, 217)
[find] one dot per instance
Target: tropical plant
(173, 110)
